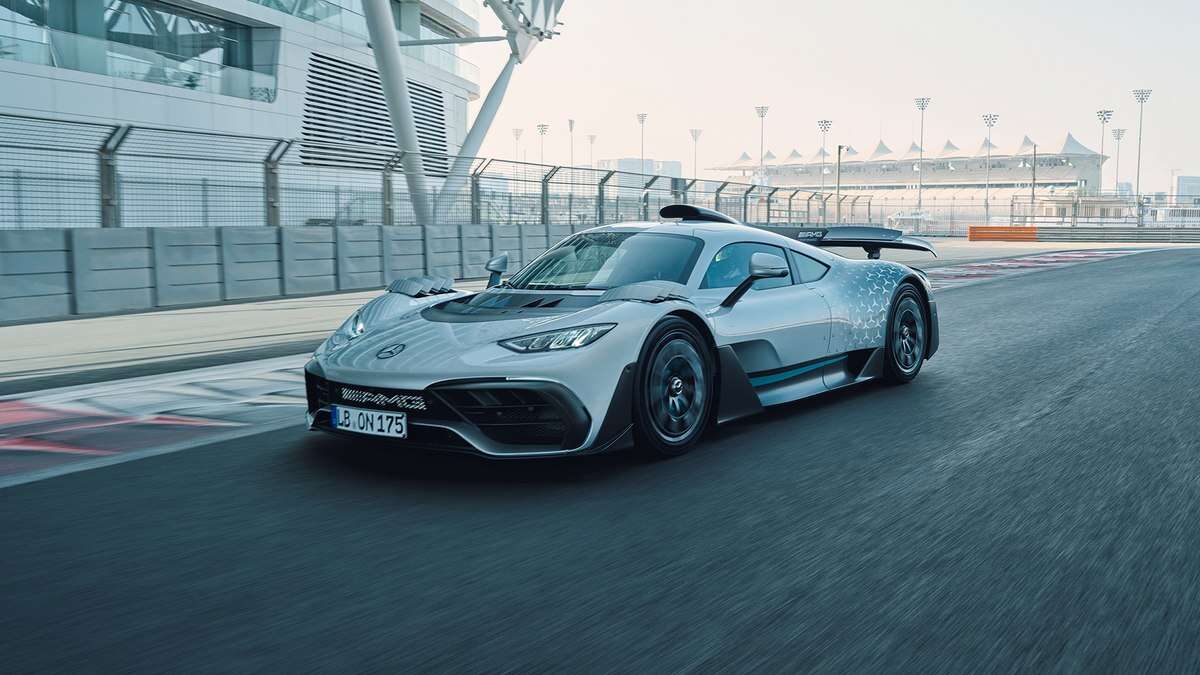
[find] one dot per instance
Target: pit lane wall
(1089, 234)
(59, 272)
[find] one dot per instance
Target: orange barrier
(989, 233)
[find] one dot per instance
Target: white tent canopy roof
(1074, 147)
(882, 151)
(821, 155)
(1026, 147)
(950, 150)
(743, 160)
(984, 146)
(914, 151)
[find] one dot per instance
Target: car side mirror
(762, 266)
(497, 266)
(768, 266)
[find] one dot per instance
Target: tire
(673, 399)
(907, 336)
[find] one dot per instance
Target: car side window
(807, 269)
(731, 264)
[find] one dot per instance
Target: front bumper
(493, 417)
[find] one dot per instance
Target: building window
(178, 34)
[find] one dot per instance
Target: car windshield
(601, 260)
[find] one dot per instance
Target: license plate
(374, 422)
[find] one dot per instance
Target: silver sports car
(645, 333)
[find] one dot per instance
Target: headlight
(350, 329)
(568, 338)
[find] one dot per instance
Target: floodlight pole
(1118, 134)
(761, 110)
(695, 151)
(1104, 116)
(542, 130)
(838, 189)
(591, 150)
(517, 144)
(990, 120)
(571, 132)
(641, 118)
(922, 104)
(824, 126)
(1141, 96)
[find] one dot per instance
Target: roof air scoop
(689, 212)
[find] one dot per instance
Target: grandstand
(953, 179)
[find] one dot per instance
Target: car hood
(431, 335)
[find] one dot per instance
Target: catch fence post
(110, 193)
(600, 196)
(271, 181)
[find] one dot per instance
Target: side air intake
(689, 212)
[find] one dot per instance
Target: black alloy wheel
(673, 397)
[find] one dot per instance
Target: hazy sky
(1044, 67)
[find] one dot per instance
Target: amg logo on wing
(400, 401)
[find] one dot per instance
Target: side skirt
(738, 398)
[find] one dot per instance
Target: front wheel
(673, 396)
(908, 335)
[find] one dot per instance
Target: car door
(778, 328)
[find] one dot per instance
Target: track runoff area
(59, 431)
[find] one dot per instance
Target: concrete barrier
(50, 273)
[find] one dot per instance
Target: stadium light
(591, 150)
(1104, 116)
(542, 130)
(695, 151)
(571, 133)
(989, 120)
(1141, 96)
(762, 136)
(641, 118)
(517, 144)
(824, 126)
(1118, 134)
(838, 190)
(922, 103)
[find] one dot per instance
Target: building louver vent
(345, 115)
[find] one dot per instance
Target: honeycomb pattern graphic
(863, 292)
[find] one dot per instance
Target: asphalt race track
(1030, 503)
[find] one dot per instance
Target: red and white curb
(59, 431)
(963, 274)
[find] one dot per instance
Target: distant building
(1187, 186)
(945, 171)
(277, 68)
(1124, 189)
(629, 166)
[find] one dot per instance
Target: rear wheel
(673, 396)
(908, 335)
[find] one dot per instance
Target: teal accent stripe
(793, 372)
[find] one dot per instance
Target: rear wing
(870, 239)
